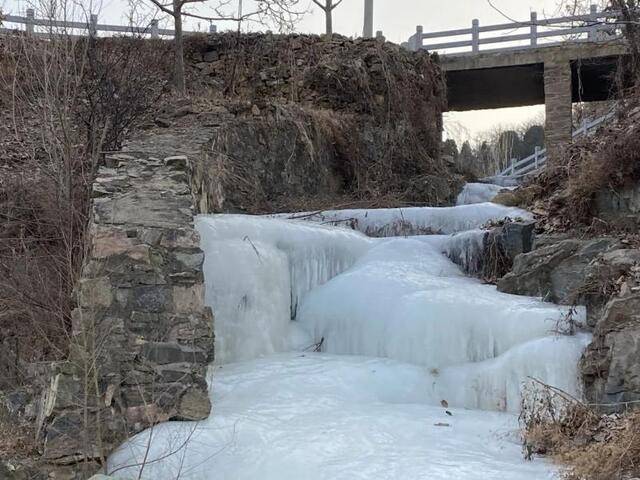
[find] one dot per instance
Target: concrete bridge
(555, 61)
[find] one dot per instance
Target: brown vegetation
(62, 102)
(589, 445)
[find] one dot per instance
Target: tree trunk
(328, 14)
(178, 49)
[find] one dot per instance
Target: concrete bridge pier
(558, 106)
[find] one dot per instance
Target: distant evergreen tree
(450, 148)
(533, 137)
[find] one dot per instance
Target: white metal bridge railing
(594, 26)
(538, 159)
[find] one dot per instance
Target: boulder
(555, 272)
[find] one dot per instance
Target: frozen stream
(420, 370)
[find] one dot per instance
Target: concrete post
(558, 103)
(417, 44)
(593, 31)
(475, 35)
(368, 19)
(534, 29)
(154, 29)
(30, 17)
(536, 157)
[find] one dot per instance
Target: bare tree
(328, 6)
(282, 12)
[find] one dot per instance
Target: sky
(398, 20)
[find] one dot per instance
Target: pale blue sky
(398, 19)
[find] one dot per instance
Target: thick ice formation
(327, 417)
(257, 270)
(390, 222)
(404, 300)
(473, 193)
(425, 333)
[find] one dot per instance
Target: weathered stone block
(194, 405)
(150, 299)
(188, 299)
(95, 292)
(163, 353)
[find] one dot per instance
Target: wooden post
(593, 30)
(154, 29)
(93, 25)
(534, 29)
(537, 155)
(30, 18)
(475, 35)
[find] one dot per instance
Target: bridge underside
(522, 85)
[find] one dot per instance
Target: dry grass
(587, 444)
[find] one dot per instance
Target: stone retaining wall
(142, 337)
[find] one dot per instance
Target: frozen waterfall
(335, 350)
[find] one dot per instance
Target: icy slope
(473, 193)
(425, 333)
(324, 417)
(388, 222)
(256, 272)
(406, 301)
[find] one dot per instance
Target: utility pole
(368, 19)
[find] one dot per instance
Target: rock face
(142, 335)
(611, 364)
(606, 278)
(318, 120)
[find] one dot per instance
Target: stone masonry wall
(142, 335)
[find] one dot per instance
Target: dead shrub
(587, 444)
(62, 101)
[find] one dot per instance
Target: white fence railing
(43, 27)
(538, 159)
(594, 26)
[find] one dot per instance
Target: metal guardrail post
(30, 18)
(154, 29)
(534, 28)
(475, 35)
